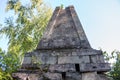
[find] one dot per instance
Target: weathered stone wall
(63, 53)
(64, 64)
(59, 76)
(86, 59)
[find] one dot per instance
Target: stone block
(73, 59)
(99, 67)
(62, 68)
(47, 59)
(19, 76)
(33, 76)
(31, 66)
(89, 76)
(25, 76)
(27, 60)
(52, 76)
(97, 59)
(61, 53)
(67, 52)
(73, 76)
(86, 52)
(29, 54)
(103, 77)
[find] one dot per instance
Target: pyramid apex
(64, 30)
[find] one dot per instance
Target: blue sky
(100, 20)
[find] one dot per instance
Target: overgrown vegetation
(23, 30)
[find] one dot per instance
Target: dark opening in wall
(27, 78)
(77, 67)
(94, 67)
(63, 75)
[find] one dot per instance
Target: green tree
(115, 70)
(23, 31)
(8, 64)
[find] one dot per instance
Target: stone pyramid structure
(63, 53)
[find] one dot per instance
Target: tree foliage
(115, 70)
(23, 30)
(8, 64)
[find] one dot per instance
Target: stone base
(59, 76)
